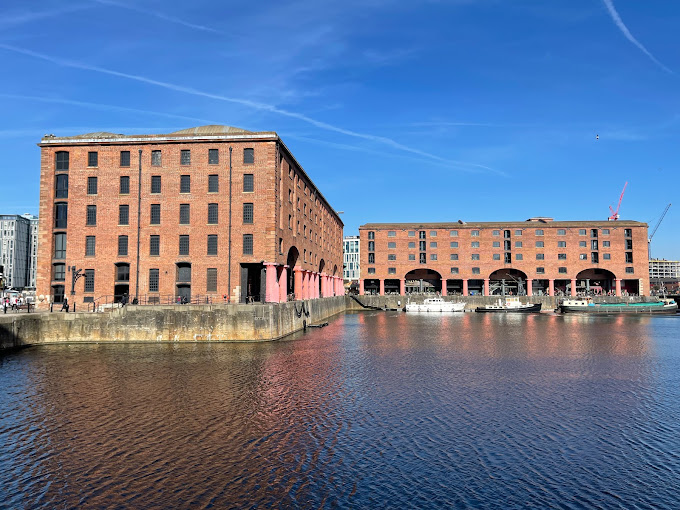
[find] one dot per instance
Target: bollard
(51, 307)
(74, 307)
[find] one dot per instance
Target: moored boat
(510, 305)
(586, 305)
(436, 304)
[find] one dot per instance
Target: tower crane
(615, 214)
(656, 227)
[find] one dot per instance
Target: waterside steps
(369, 307)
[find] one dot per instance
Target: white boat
(436, 304)
(510, 304)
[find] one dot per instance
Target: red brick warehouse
(538, 256)
(215, 211)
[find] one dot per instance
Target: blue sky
(427, 110)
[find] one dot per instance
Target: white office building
(18, 250)
(351, 258)
(664, 269)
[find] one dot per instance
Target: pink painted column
(339, 287)
(272, 294)
(465, 286)
(486, 286)
(444, 287)
(283, 284)
(361, 287)
(529, 285)
(305, 284)
(617, 281)
(551, 287)
(308, 285)
(402, 287)
(316, 285)
(299, 282)
(325, 286)
(382, 287)
(573, 287)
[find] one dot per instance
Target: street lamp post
(76, 274)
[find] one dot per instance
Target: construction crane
(615, 214)
(656, 227)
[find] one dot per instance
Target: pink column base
(551, 287)
(617, 281)
(299, 279)
(361, 287)
(486, 286)
(465, 287)
(529, 285)
(283, 284)
(573, 287)
(382, 287)
(272, 292)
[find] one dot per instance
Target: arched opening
(291, 261)
(508, 282)
(595, 282)
(322, 265)
(423, 281)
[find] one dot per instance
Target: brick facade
(575, 256)
(212, 151)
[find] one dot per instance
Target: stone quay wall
(174, 323)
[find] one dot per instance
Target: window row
(62, 158)
(594, 245)
(506, 257)
(422, 234)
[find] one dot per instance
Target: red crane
(615, 214)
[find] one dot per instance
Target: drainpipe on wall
(229, 250)
(139, 219)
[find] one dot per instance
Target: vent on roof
(461, 222)
(542, 219)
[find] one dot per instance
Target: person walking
(64, 305)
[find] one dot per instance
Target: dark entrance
(508, 281)
(392, 286)
(423, 280)
(371, 286)
(183, 280)
(291, 261)
(183, 293)
(121, 286)
(253, 282)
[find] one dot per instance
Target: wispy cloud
(243, 102)
(158, 14)
(619, 23)
(28, 17)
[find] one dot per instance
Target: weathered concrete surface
(216, 323)
(471, 302)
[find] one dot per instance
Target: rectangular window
(412, 245)
(211, 279)
(124, 188)
(412, 256)
(562, 270)
(629, 257)
(475, 270)
(605, 231)
(496, 233)
(184, 245)
(153, 279)
(184, 214)
(561, 256)
(392, 245)
(453, 256)
(583, 256)
(630, 270)
(423, 258)
(606, 256)
(391, 270)
(474, 233)
(61, 186)
(155, 184)
(519, 256)
(474, 244)
(248, 156)
(155, 214)
(123, 214)
(561, 244)
(247, 244)
(582, 244)
(371, 258)
(90, 246)
(540, 256)
(91, 215)
(540, 270)
(497, 256)
(539, 232)
(392, 256)
(593, 245)
(213, 214)
(92, 158)
(582, 232)
(60, 215)
(453, 233)
(371, 270)
(371, 235)
(411, 233)
(506, 245)
(59, 272)
(391, 233)
(433, 233)
(595, 257)
(124, 158)
(518, 244)
(213, 183)
(507, 257)
(371, 245)
(248, 213)
(433, 244)
(496, 244)
(185, 157)
(212, 244)
(453, 244)
(475, 256)
(122, 246)
(606, 244)
(593, 233)
(423, 245)
(61, 161)
(248, 183)
(421, 234)
(89, 279)
(518, 232)
(185, 184)
(454, 270)
(629, 244)
(154, 245)
(155, 158)
(627, 232)
(213, 156)
(539, 244)
(561, 232)
(433, 256)
(122, 272)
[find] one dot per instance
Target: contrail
(619, 23)
(244, 102)
(172, 19)
(28, 17)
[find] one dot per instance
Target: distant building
(351, 258)
(226, 214)
(664, 272)
(18, 250)
(534, 257)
